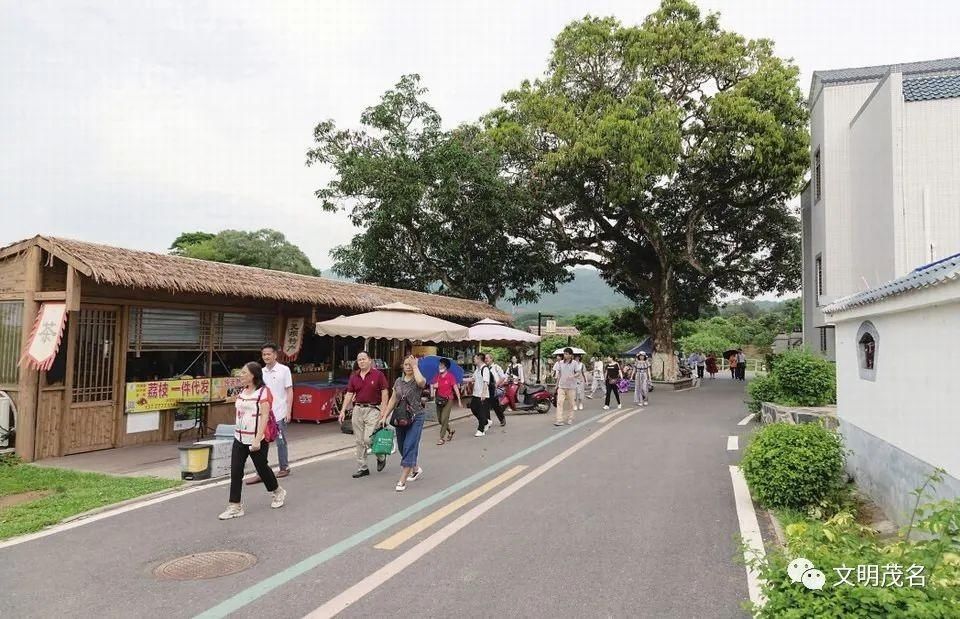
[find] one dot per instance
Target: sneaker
(479, 433)
(646, 403)
(234, 510)
(619, 406)
(283, 472)
(416, 474)
(381, 463)
(401, 487)
(558, 423)
(279, 495)
(503, 423)
(489, 423)
(581, 407)
(569, 422)
(606, 408)
(361, 473)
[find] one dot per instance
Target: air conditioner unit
(6, 420)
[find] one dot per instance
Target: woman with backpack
(250, 439)
(407, 414)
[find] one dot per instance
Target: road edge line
(749, 532)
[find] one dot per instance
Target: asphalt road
(632, 516)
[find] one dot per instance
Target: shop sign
(45, 339)
(160, 395)
(293, 338)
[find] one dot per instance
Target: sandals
(450, 435)
(441, 442)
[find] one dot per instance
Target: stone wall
(772, 413)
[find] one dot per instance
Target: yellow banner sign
(159, 395)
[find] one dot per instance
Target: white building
(898, 350)
(884, 191)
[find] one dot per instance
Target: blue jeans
(282, 444)
(408, 441)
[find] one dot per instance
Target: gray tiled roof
(931, 87)
(865, 74)
(926, 276)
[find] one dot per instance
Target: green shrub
(842, 543)
(805, 379)
(762, 389)
(793, 466)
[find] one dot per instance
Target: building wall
(874, 147)
(807, 274)
(904, 423)
(931, 169)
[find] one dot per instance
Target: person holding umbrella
(731, 357)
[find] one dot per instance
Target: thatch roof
(130, 268)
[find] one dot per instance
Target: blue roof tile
(933, 274)
(929, 88)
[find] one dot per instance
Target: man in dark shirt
(369, 393)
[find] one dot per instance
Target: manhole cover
(205, 565)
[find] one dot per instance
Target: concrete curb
(777, 529)
(193, 484)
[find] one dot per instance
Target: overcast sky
(127, 122)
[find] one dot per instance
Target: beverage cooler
(316, 401)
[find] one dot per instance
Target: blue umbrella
(430, 367)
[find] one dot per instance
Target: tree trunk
(661, 328)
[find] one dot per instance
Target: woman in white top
(253, 411)
(516, 369)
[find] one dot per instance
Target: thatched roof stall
(146, 336)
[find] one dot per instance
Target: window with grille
(819, 280)
(93, 367)
(168, 329)
(823, 340)
(11, 334)
(242, 331)
(817, 177)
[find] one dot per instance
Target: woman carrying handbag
(444, 389)
(407, 414)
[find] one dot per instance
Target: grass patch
(71, 493)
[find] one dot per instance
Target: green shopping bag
(381, 442)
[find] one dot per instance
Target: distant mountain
(586, 294)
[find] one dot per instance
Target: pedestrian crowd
(264, 406)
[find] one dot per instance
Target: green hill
(587, 294)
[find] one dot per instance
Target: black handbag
(402, 415)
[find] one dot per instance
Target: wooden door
(94, 405)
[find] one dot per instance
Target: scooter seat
(532, 389)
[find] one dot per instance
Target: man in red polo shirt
(369, 393)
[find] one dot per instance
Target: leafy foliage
(706, 342)
(804, 379)
(793, 466)
(841, 543)
(266, 249)
(435, 208)
(762, 389)
(664, 155)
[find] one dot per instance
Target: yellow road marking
(396, 540)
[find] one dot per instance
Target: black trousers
(612, 388)
(700, 371)
(238, 460)
(742, 371)
(497, 408)
(481, 410)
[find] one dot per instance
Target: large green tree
(267, 249)
(665, 155)
(435, 209)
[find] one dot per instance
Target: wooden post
(28, 384)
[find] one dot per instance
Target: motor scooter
(521, 397)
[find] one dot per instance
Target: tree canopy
(435, 210)
(664, 155)
(267, 249)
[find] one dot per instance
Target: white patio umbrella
(493, 333)
(395, 321)
(576, 351)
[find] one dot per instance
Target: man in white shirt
(566, 371)
(480, 402)
(277, 378)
